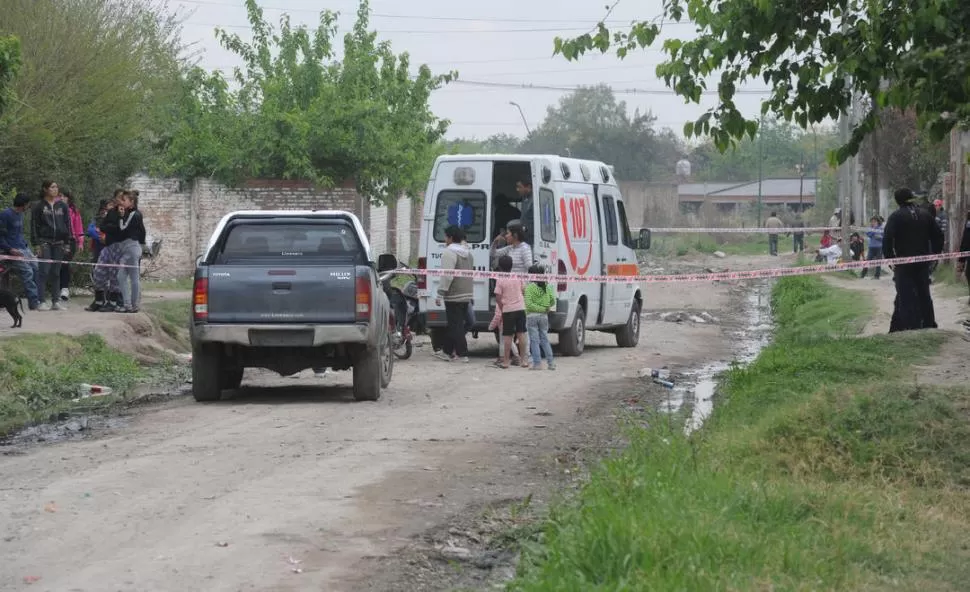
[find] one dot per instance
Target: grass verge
(172, 317)
(681, 245)
(824, 467)
(42, 374)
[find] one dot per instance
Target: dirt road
(289, 485)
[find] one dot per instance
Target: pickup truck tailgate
(279, 295)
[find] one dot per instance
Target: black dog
(14, 306)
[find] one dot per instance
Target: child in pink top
(510, 297)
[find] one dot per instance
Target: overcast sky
(504, 41)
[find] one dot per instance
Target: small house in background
(728, 198)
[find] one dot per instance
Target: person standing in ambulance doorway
(527, 207)
(911, 231)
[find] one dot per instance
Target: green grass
(681, 245)
(823, 467)
(172, 317)
(42, 374)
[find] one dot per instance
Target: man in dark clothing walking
(50, 226)
(14, 243)
(912, 231)
(798, 238)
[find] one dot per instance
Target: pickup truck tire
(207, 373)
(372, 372)
(629, 334)
(572, 341)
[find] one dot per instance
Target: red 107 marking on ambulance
(576, 219)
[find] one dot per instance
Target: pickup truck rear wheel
(629, 334)
(572, 341)
(372, 371)
(207, 373)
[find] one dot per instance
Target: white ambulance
(577, 226)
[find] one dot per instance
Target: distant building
(729, 197)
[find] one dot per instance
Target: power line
(631, 91)
(430, 31)
(588, 22)
(496, 85)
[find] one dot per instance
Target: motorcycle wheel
(404, 350)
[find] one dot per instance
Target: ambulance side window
(547, 215)
(609, 214)
(624, 225)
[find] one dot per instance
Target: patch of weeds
(172, 317)
(805, 306)
(42, 374)
(820, 469)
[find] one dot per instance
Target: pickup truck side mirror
(643, 240)
(386, 262)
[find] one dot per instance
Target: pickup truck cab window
(289, 242)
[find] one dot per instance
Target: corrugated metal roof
(702, 188)
(773, 187)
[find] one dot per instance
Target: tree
(905, 154)
(907, 55)
(494, 144)
(9, 66)
(298, 112)
(778, 150)
(95, 76)
(590, 123)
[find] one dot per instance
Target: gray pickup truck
(287, 291)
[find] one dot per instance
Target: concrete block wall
(184, 214)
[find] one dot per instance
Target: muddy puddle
(698, 389)
(81, 423)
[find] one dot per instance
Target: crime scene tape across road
(81, 263)
(691, 230)
(751, 274)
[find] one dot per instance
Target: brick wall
(184, 214)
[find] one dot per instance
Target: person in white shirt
(832, 254)
(517, 249)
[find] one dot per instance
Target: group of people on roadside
(42, 259)
(115, 238)
(521, 319)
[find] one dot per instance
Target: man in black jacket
(912, 231)
(50, 233)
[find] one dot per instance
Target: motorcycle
(404, 303)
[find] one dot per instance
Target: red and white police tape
(81, 263)
(750, 274)
(691, 230)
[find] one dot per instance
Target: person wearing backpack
(539, 299)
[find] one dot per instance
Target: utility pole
(845, 174)
(801, 183)
(521, 114)
(761, 163)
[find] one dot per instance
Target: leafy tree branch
(910, 54)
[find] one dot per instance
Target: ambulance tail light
(422, 279)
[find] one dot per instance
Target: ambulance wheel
(629, 335)
(572, 341)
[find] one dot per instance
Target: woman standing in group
(75, 246)
(133, 239)
(107, 295)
